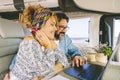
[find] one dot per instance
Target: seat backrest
(11, 34)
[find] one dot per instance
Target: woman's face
(50, 27)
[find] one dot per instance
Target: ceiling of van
(10, 9)
(110, 6)
(14, 7)
(101, 6)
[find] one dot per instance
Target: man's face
(61, 29)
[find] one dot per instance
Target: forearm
(60, 57)
(74, 51)
(58, 67)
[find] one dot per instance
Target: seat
(11, 34)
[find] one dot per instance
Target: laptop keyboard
(86, 72)
(80, 69)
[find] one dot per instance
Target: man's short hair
(61, 16)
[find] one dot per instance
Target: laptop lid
(112, 70)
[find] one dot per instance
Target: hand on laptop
(78, 61)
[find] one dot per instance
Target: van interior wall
(93, 26)
(11, 34)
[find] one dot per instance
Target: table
(62, 73)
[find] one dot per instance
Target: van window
(79, 29)
(116, 30)
(110, 27)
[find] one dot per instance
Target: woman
(38, 52)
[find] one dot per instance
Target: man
(65, 43)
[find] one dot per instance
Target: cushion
(10, 29)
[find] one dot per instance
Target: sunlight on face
(50, 27)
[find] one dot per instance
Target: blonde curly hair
(35, 15)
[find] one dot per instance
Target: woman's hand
(44, 41)
(37, 78)
(7, 76)
(58, 67)
(53, 44)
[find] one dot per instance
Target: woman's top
(33, 60)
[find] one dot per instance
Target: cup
(91, 57)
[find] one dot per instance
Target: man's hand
(78, 61)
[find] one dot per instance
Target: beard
(59, 35)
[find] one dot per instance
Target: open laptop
(96, 72)
(86, 72)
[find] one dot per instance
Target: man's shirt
(68, 47)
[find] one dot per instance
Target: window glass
(116, 30)
(79, 29)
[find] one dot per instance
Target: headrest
(10, 29)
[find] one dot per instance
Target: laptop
(97, 72)
(86, 72)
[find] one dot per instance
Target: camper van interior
(92, 22)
